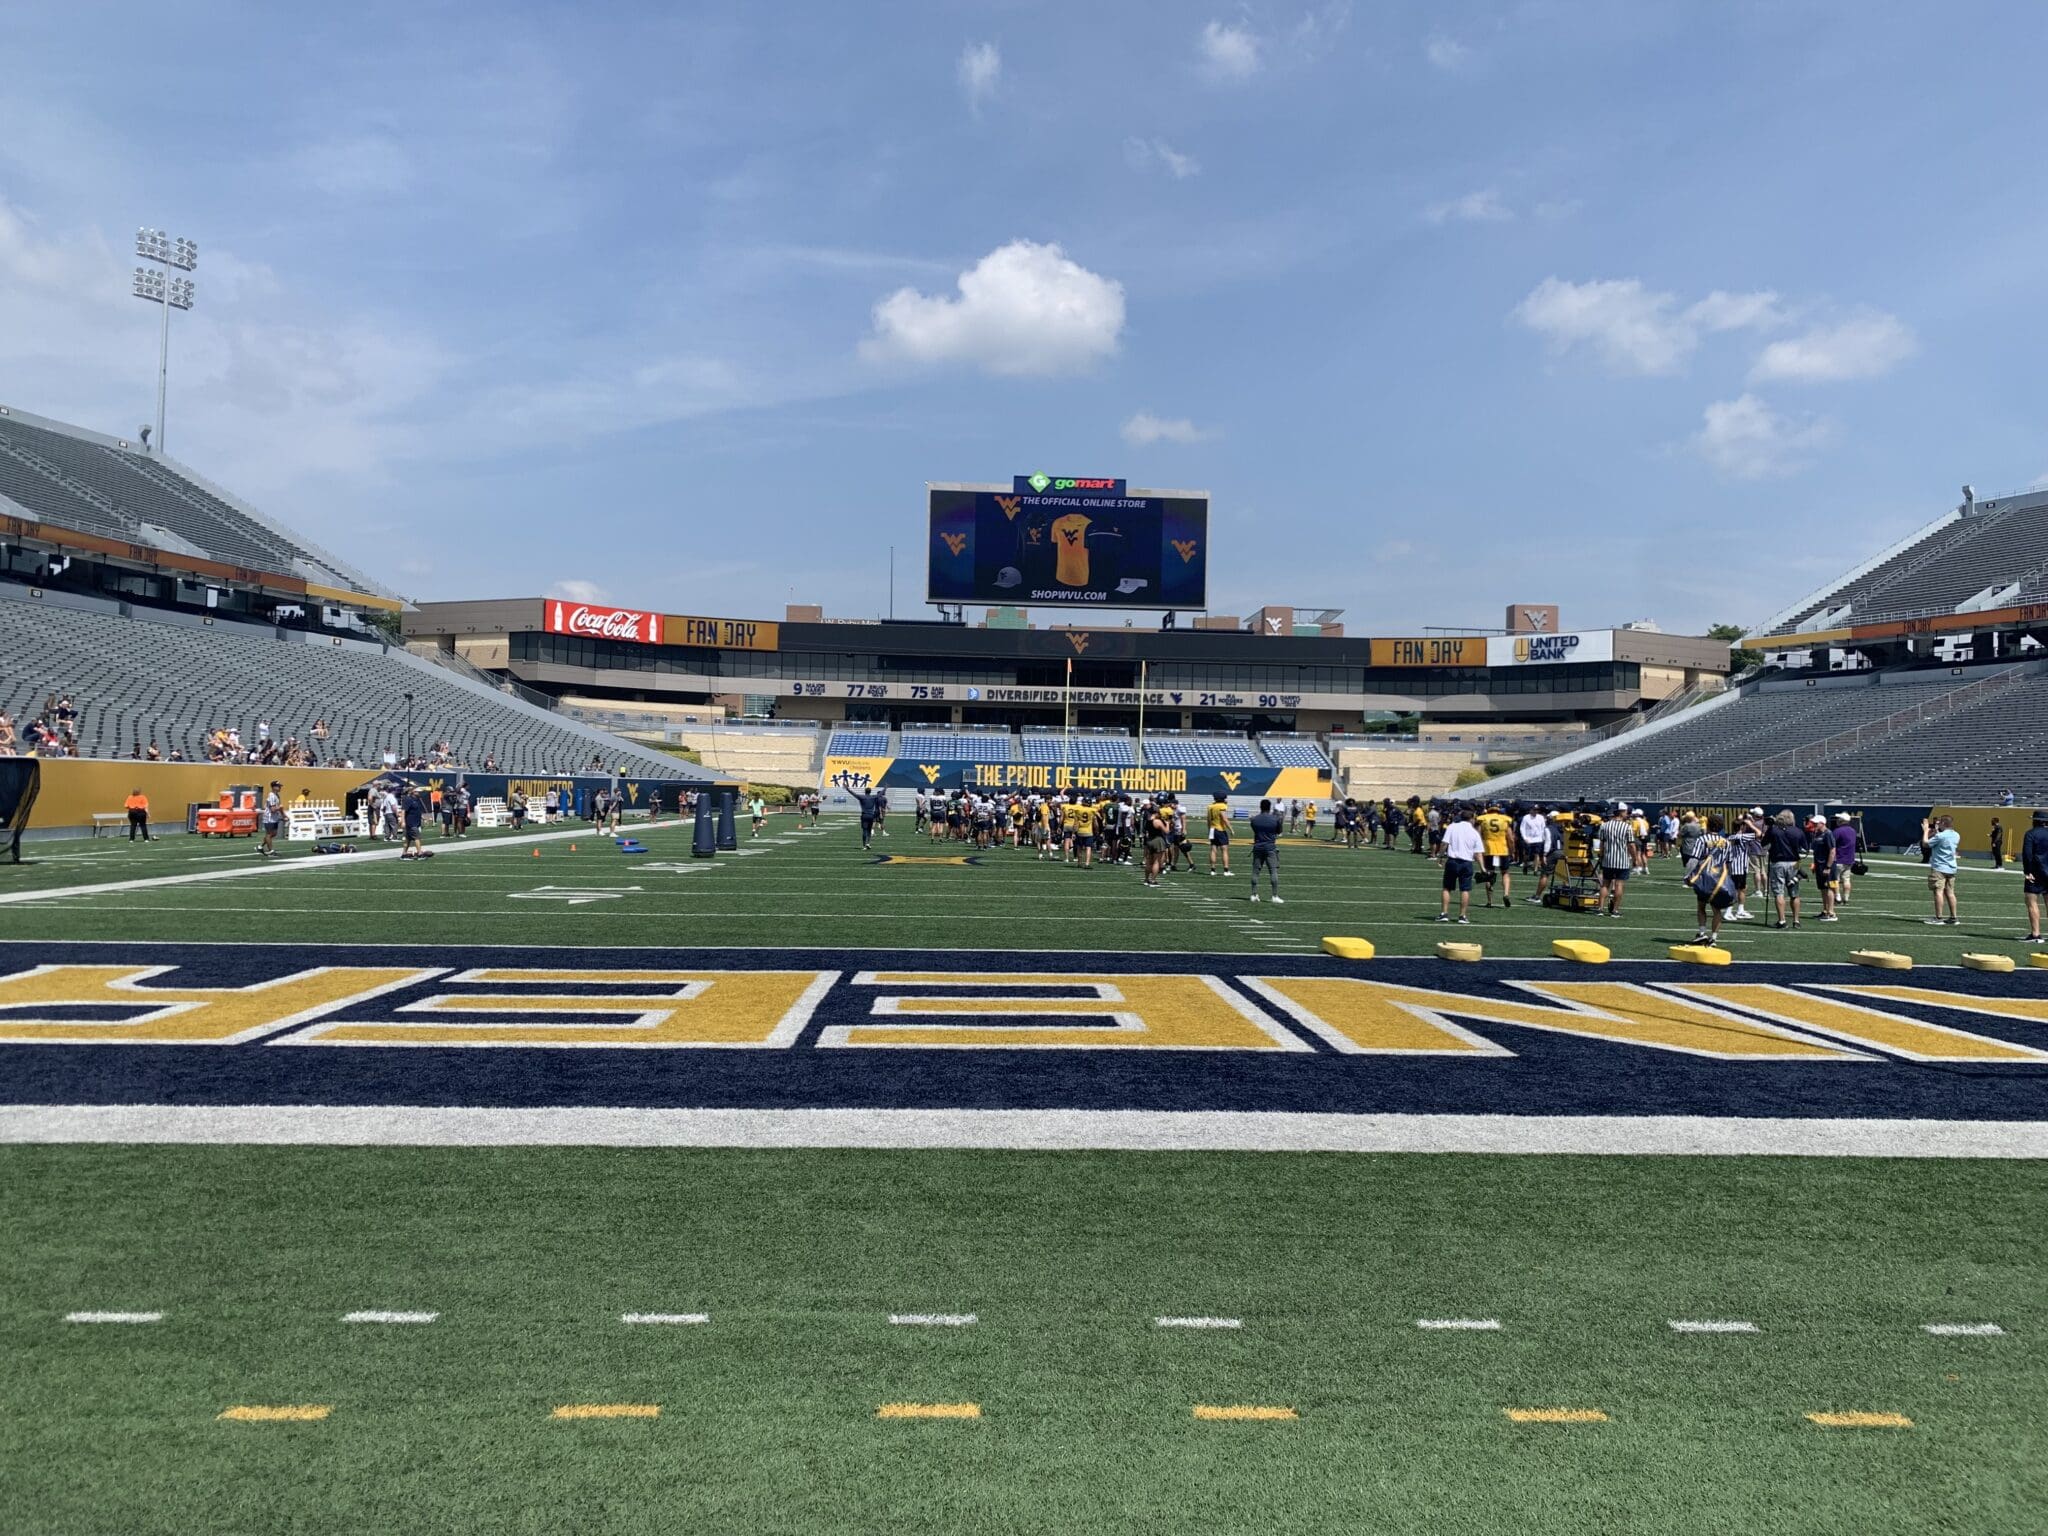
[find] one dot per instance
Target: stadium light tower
(167, 290)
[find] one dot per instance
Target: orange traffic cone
(572, 847)
(536, 853)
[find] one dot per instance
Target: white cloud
(1632, 329)
(1861, 348)
(1144, 429)
(981, 71)
(1745, 439)
(1446, 52)
(1024, 309)
(1481, 207)
(1316, 33)
(577, 590)
(1143, 154)
(1230, 51)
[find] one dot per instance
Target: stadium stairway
(172, 679)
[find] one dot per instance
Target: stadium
(1074, 1059)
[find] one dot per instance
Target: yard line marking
(259, 1413)
(1555, 1415)
(1473, 1324)
(1244, 1411)
(1963, 1330)
(113, 1317)
(1682, 1325)
(608, 1411)
(1197, 1322)
(665, 1317)
(390, 1317)
(929, 1411)
(1861, 1420)
(933, 1319)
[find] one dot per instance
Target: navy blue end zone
(1546, 1074)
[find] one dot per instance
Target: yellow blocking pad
(1555, 1415)
(1996, 963)
(701, 1008)
(1881, 959)
(286, 1413)
(1348, 949)
(1244, 1411)
(929, 1411)
(1133, 1012)
(174, 1015)
(608, 1411)
(2039, 959)
(1465, 954)
(1892, 1032)
(1360, 1016)
(1700, 954)
(1861, 1420)
(1585, 951)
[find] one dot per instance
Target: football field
(814, 1189)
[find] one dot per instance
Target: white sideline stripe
(1197, 1322)
(279, 866)
(390, 1317)
(933, 1319)
(665, 1317)
(1964, 1330)
(1012, 1130)
(1475, 1324)
(113, 1317)
(1681, 1325)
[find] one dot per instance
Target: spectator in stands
(1847, 846)
(490, 762)
(1941, 840)
(320, 729)
(2034, 867)
(177, 754)
(137, 806)
(2007, 799)
(1617, 837)
(155, 753)
(6, 734)
(1785, 845)
(135, 752)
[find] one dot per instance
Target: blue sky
(1653, 310)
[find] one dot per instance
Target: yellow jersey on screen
(1070, 550)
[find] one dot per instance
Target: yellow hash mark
(264, 1413)
(1861, 1420)
(929, 1411)
(608, 1411)
(1244, 1411)
(1555, 1415)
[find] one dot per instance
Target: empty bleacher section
(1294, 752)
(151, 678)
(948, 746)
(858, 742)
(1886, 737)
(755, 753)
(93, 484)
(1081, 749)
(1396, 772)
(1200, 752)
(1997, 545)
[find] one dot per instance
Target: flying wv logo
(1185, 548)
(1231, 779)
(1009, 504)
(1078, 639)
(955, 541)
(931, 772)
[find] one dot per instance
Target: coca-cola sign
(564, 618)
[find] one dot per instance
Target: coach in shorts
(1463, 848)
(2034, 867)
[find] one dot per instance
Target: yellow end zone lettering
(1187, 1013)
(1372, 1017)
(680, 1009)
(33, 1001)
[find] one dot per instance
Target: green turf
(823, 890)
(768, 1420)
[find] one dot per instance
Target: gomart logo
(1546, 647)
(603, 623)
(1041, 483)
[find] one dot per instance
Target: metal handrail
(1828, 748)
